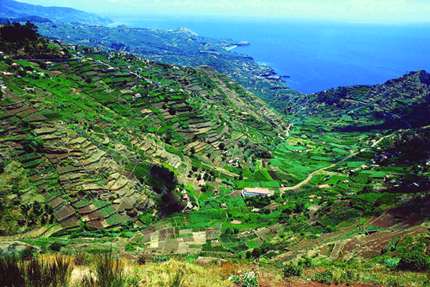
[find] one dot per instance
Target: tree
(172, 110)
(221, 146)
(16, 32)
(32, 144)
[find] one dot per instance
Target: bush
(292, 270)
(130, 247)
(27, 253)
(391, 246)
(414, 260)
(325, 277)
(391, 263)
(56, 246)
(349, 276)
(109, 272)
(247, 280)
(305, 261)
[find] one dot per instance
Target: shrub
(325, 277)
(305, 261)
(414, 260)
(109, 272)
(247, 280)
(391, 246)
(56, 246)
(349, 276)
(27, 253)
(141, 260)
(292, 270)
(130, 247)
(391, 263)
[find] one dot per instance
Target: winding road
(309, 177)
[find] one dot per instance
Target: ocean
(316, 55)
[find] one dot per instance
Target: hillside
(398, 103)
(120, 118)
(11, 9)
(179, 47)
(105, 149)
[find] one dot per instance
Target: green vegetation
(290, 270)
(150, 158)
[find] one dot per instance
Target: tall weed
(11, 271)
(109, 272)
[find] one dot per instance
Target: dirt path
(309, 177)
(290, 126)
(31, 234)
(39, 232)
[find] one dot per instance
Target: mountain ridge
(13, 9)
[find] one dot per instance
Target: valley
(106, 149)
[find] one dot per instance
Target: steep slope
(11, 9)
(401, 102)
(99, 136)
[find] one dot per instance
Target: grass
(50, 270)
(174, 273)
(108, 272)
(104, 269)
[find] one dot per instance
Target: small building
(257, 191)
(323, 186)
(201, 182)
(236, 222)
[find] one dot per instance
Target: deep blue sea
(316, 55)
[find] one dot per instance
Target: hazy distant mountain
(13, 9)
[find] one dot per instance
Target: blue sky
(351, 10)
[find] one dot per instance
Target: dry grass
(59, 270)
(47, 270)
(176, 273)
